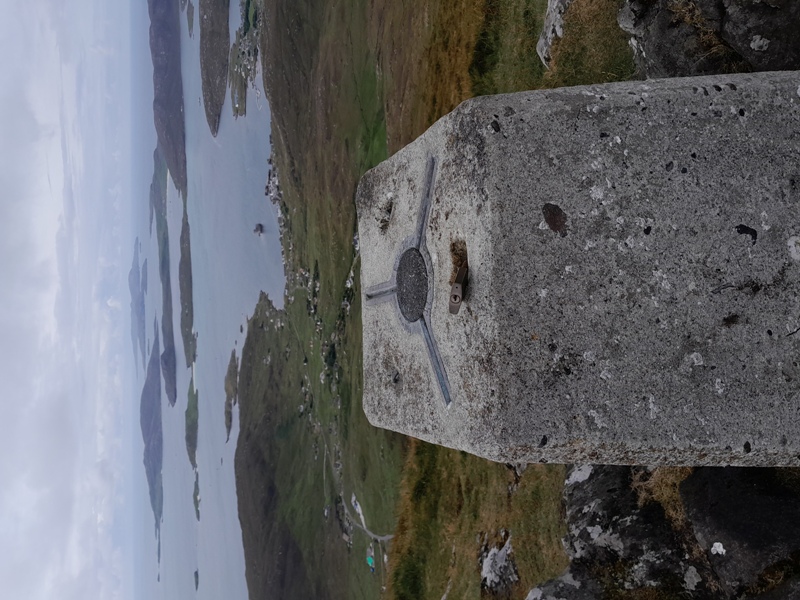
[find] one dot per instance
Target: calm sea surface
(230, 265)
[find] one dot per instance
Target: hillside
(214, 51)
(348, 84)
(165, 51)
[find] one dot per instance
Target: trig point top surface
(633, 291)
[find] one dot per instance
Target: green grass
(451, 499)
(593, 50)
(252, 12)
(305, 444)
(505, 54)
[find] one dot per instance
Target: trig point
(605, 274)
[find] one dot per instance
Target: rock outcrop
(677, 38)
(616, 544)
(498, 569)
(738, 537)
(553, 28)
(747, 521)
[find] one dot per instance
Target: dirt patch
(458, 256)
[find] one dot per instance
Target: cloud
(61, 468)
(28, 251)
(60, 458)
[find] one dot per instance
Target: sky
(64, 171)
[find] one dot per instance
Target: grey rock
(553, 27)
(747, 520)
(498, 569)
(753, 27)
(741, 540)
(695, 37)
(615, 544)
(567, 587)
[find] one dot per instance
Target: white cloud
(60, 381)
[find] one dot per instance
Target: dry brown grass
(662, 485)
(593, 50)
(687, 12)
(453, 50)
(427, 68)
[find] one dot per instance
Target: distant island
(137, 284)
(168, 113)
(158, 207)
(191, 417)
(189, 8)
(196, 495)
(185, 286)
(231, 392)
(152, 433)
(214, 48)
(190, 18)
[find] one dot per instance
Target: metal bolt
(457, 291)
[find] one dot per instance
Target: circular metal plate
(412, 285)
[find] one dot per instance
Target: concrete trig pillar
(633, 257)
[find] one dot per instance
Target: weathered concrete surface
(634, 254)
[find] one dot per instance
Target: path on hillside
(364, 528)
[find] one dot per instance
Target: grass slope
(348, 83)
(305, 446)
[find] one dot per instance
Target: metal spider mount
(411, 285)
